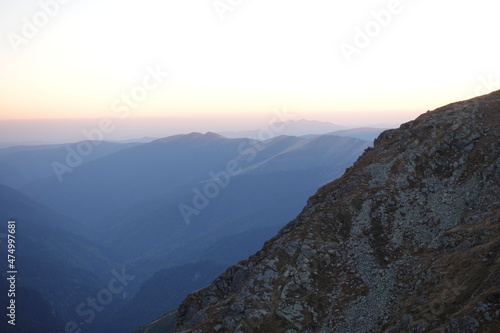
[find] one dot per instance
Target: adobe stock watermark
(487, 84)
(88, 309)
(223, 7)
(122, 106)
(363, 36)
(247, 152)
(31, 27)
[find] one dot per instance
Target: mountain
(363, 133)
(47, 234)
(406, 240)
(19, 165)
(155, 188)
(61, 268)
(162, 168)
(290, 127)
(7, 144)
(26, 147)
(283, 174)
(117, 181)
(145, 139)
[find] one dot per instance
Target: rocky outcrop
(407, 240)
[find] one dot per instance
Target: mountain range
(407, 240)
(122, 210)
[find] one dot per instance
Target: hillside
(285, 173)
(144, 187)
(20, 165)
(57, 269)
(171, 167)
(406, 240)
(47, 235)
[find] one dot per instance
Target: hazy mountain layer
(20, 165)
(64, 269)
(131, 201)
(186, 192)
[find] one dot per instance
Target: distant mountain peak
(213, 135)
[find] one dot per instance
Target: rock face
(407, 240)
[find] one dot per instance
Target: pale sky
(244, 58)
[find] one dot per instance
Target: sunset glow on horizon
(351, 63)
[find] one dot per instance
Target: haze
(230, 66)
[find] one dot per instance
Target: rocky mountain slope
(407, 240)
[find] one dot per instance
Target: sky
(230, 64)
